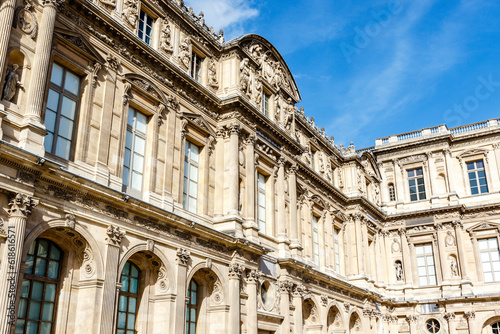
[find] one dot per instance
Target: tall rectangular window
(477, 177)
(145, 27)
(490, 259)
(315, 240)
(196, 66)
(135, 149)
(336, 249)
(392, 192)
(60, 114)
(265, 103)
(191, 170)
(313, 158)
(261, 202)
(416, 183)
(425, 264)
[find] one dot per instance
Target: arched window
(192, 307)
(392, 192)
(127, 306)
(495, 328)
(39, 289)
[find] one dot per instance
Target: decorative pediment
(473, 152)
(319, 201)
(146, 86)
(200, 123)
(78, 42)
(483, 226)
(271, 66)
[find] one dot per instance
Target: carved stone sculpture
(130, 12)
(165, 38)
(454, 267)
(184, 54)
(399, 271)
(11, 83)
(212, 74)
(245, 80)
(257, 96)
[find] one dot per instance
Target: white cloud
(225, 14)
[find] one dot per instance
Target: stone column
(298, 292)
(445, 268)
(400, 188)
(460, 248)
(321, 240)
(359, 244)
(449, 171)
(6, 15)
(219, 173)
(41, 62)
(282, 232)
(250, 226)
(285, 288)
(295, 246)
(413, 319)
(20, 208)
(182, 259)
(271, 201)
(429, 165)
(235, 271)
(471, 320)
(366, 249)
(252, 283)
(450, 317)
(111, 278)
(380, 254)
(406, 257)
(234, 178)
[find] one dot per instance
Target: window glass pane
(125, 284)
(122, 317)
(485, 257)
(72, 83)
(43, 246)
(141, 122)
(45, 328)
(138, 163)
(53, 269)
(19, 327)
(193, 173)
(56, 75)
(52, 100)
(37, 290)
(139, 145)
(131, 321)
(34, 311)
(32, 327)
(192, 204)
(55, 254)
(40, 267)
(493, 243)
(132, 304)
(195, 152)
(134, 272)
(136, 181)
(68, 108)
(50, 292)
(133, 285)
(130, 117)
(25, 288)
(48, 141)
(126, 173)
(21, 311)
(66, 128)
(48, 309)
(62, 147)
(122, 304)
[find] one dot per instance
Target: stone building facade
(157, 179)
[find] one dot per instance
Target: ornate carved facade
(157, 179)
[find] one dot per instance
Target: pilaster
(235, 272)
(252, 280)
(285, 288)
(182, 261)
(111, 277)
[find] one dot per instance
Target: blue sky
(369, 69)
